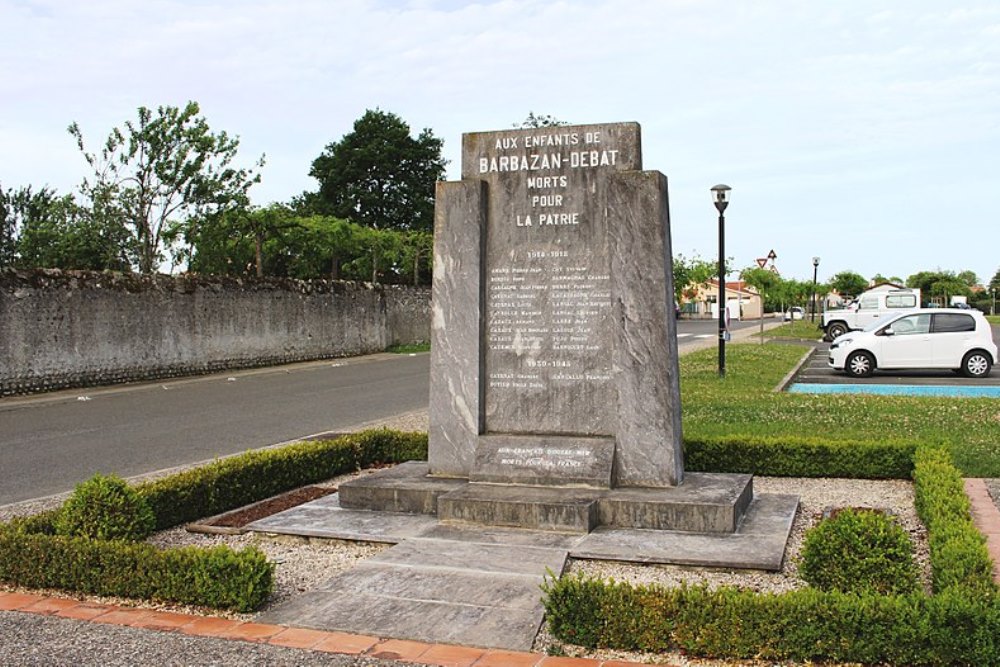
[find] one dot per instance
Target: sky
(864, 133)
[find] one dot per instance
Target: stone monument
(554, 355)
(555, 397)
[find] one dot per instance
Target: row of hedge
(958, 625)
(799, 456)
(32, 555)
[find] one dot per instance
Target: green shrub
(799, 456)
(32, 555)
(803, 625)
(105, 508)
(255, 475)
(859, 550)
(959, 557)
(218, 577)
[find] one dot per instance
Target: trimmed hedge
(959, 625)
(946, 629)
(959, 556)
(783, 456)
(32, 555)
(255, 475)
(217, 577)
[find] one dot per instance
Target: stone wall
(68, 328)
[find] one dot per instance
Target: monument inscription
(548, 294)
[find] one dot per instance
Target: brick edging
(438, 655)
(986, 518)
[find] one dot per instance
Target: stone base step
(703, 503)
(403, 488)
(530, 507)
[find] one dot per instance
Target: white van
(867, 308)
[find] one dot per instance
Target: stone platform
(704, 503)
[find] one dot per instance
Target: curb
(986, 518)
(436, 655)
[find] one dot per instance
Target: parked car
(924, 338)
(794, 313)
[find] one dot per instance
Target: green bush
(803, 625)
(959, 557)
(105, 508)
(857, 551)
(218, 577)
(255, 475)
(799, 456)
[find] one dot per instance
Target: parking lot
(816, 377)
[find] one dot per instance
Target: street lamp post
(721, 196)
(815, 269)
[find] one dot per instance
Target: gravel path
(30, 639)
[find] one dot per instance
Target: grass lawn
(799, 329)
(743, 404)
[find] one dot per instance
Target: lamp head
(720, 196)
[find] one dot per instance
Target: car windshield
(882, 321)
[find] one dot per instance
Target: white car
(924, 338)
(794, 313)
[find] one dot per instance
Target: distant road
(50, 442)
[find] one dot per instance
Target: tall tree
(164, 168)
(848, 283)
(378, 175)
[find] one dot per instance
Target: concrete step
(540, 508)
(403, 488)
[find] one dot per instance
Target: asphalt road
(51, 442)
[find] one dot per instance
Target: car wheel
(977, 364)
(860, 365)
(837, 329)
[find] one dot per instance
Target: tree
(995, 281)
(942, 285)
(688, 274)
(162, 169)
(878, 278)
(378, 175)
(764, 281)
(49, 231)
(8, 229)
(968, 278)
(848, 283)
(540, 121)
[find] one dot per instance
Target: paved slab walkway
(479, 586)
(456, 591)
